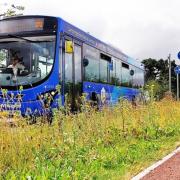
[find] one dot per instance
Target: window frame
(87, 49)
(108, 59)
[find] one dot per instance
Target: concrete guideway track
(166, 169)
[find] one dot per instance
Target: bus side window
(113, 72)
(104, 68)
(135, 78)
(125, 75)
(132, 75)
(138, 79)
(118, 72)
(91, 71)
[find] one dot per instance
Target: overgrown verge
(110, 144)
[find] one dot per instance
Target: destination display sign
(27, 24)
(21, 25)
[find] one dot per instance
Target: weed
(90, 144)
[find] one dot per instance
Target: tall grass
(91, 144)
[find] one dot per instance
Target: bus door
(73, 73)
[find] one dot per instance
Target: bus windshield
(26, 60)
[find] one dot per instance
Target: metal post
(169, 58)
(177, 87)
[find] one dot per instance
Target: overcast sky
(140, 28)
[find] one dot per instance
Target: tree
(13, 11)
(158, 70)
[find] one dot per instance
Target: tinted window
(68, 67)
(103, 71)
(132, 75)
(118, 72)
(125, 75)
(92, 69)
(113, 72)
(135, 78)
(138, 78)
(77, 61)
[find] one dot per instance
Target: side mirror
(85, 62)
(131, 72)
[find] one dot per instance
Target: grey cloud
(141, 28)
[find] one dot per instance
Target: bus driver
(16, 65)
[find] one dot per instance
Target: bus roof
(94, 42)
(88, 39)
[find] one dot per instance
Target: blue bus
(54, 53)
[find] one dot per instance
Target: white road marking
(151, 168)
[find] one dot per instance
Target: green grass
(109, 144)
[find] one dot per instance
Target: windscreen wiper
(19, 37)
